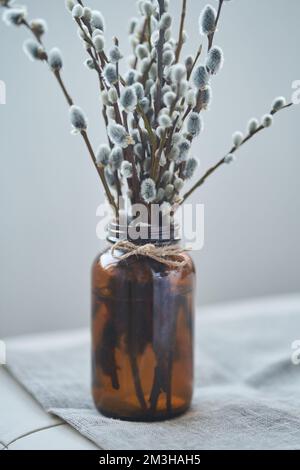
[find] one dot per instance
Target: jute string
(171, 256)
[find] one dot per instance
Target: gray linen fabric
(247, 393)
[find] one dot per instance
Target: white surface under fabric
(246, 394)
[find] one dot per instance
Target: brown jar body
(142, 337)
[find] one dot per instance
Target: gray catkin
(14, 16)
(168, 58)
(39, 27)
(132, 25)
(191, 98)
(160, 131)
(184, 148)
(128, 99)
(178, 184)
(194, 124)
(278, 103)
(215, 60)
(139, 91)
(118, 135)
(166, 177)
(99, 42)
(102, 155)
(97, 20)
(160, 195)
(55, 59)
(87, 14)
(111, 114)
(144, 65)
(237, 139)
(229, 158)
(104, 97)
(32, 49)
(78, 119)
(189, 61)
(135, 134)
(267, 120)
(207, 20)
(168, 34)
(174, 153)
(165, 21)
(89, 63)
(169, 191)
(154, 38)
(114, 54)
(147, 8)
(145, 105)
(148, 190)
(116, 158)
(126, 169)
(253, 125)
(190, 168)
(169, 98)
(110, 74)
(142, 51)
(113, 95)
(139, 150)
(206, 97)
(200, 77)
(178, 72)
(164, 121)
(130, 77)
(69, 4)
(77, 11)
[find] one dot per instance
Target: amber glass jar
(142, 336)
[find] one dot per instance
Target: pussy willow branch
(221, 162)
(210, 40)
(195, 62)
(70, 102)
(211, 36)
(198, 108)
(97, 61)
(181, 30)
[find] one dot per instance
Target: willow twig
(100, 170)
(211, 36)
(63, 88)
(149, 129)
(142, 40)
(195, 62)
(222, 161)
(159, 49)
(181, 30)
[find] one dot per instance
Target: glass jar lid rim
(143, 232)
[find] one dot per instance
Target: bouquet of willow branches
(153, 111)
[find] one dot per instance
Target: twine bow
(171, 256)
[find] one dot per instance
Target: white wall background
(49, 190)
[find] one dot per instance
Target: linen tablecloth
(247, 393)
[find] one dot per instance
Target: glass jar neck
(142, 234)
